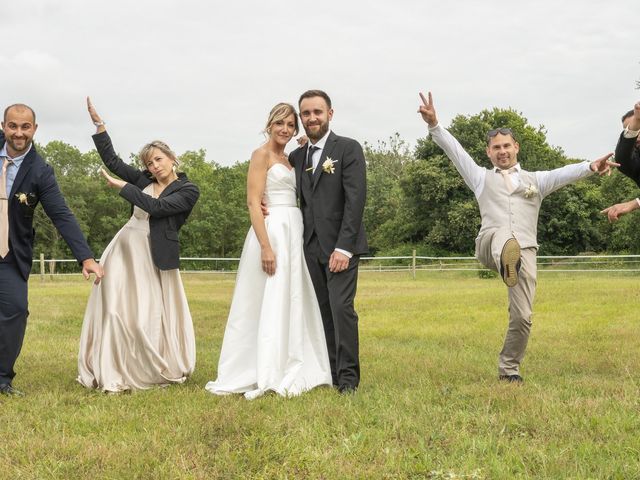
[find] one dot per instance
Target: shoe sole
(509, 259)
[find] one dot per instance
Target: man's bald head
(21, 107)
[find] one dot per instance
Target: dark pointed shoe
(7, 389)
(511, 378)
(510, 262)
(347, 389)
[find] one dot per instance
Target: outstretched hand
(112, 181)
(603, 165)
(614, 212)
(427, 110)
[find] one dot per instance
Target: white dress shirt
(319, 148)
(473, 174)
(12, 169)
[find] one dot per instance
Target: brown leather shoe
(510, 262)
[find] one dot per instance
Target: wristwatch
(99, 124)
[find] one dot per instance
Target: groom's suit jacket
(36, 179)
(332, 204)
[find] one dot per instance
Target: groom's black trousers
(13, 316)
(336, 293)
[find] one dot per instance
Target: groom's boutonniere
(24, 198)
(530, 191)
(327, 165)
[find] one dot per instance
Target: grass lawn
(429, 405)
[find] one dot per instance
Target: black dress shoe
(512, 378)
(347, 389)
(7, 389)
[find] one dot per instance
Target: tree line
(415, 198)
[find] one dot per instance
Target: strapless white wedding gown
(274, 339)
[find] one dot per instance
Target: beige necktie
(507, 179)
(4, 209)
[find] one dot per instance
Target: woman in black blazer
(137, 330)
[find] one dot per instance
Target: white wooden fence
(410, 264)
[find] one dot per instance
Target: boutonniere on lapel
(530, 191)
(327, 166)
(27, 199)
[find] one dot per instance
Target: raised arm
(107, 153)
(471, 172)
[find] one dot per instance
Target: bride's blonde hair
(280, 112)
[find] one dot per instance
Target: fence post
(52, 268)
(42, 267)
(413, 264)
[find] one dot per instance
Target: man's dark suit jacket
(36, 179)
(167, 213)
(333, 207)
(628, 156)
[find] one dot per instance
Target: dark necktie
(312, 149)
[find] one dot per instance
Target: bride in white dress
(274, 339)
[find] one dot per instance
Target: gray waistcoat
(499, 208)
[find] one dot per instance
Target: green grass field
(429, 405)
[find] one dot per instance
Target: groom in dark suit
(331, 183)
(25, 181)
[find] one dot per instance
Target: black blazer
(167, 213)
(628, 156)
(332, 204)
(36, 179)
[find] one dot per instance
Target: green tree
(384, 214)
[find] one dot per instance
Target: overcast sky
(204, 74)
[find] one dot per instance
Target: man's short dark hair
(314, 93)
(19, 106)
(627, 115)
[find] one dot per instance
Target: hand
(428, 111)
(614, 212)
(112, 181)
(302, 140)
(634, 124)
(338, 262)
(90, 266)
(268, 261)
(603, 165)
(94, 116)
(263, 208)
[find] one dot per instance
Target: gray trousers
(488, 250)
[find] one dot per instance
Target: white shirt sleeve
(344, 252)
(551, 180)
(472, 174)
